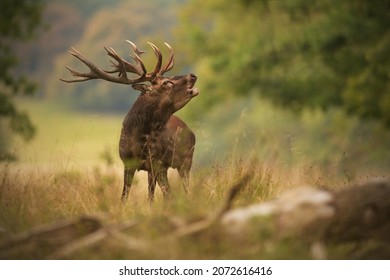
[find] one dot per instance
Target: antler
(122, 67)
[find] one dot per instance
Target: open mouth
(193, 91)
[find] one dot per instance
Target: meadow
(71, 170)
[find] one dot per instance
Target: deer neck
(145, 120)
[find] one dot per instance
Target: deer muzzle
(191, 90)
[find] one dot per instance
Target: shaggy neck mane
(145, 118)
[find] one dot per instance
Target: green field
(67, 139)
(71, 169)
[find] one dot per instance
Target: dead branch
(79, 244)
(63, 239)
(213, 219)
(360, 212)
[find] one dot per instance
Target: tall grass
(29, 199)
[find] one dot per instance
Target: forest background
(286, 80)
(297, 92)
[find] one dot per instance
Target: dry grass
(33, 198)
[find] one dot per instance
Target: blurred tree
(297, 53)
(89, 7)
(18, 21)
(64, 25)
(352, 39)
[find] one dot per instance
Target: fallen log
(361, 212)
(355, 214)
(62, 239)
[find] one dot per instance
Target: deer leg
(151, 186)
(162, 179)
(127, 180)
(185, 179)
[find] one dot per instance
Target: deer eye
(167, 82)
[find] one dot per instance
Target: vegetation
(40, 199)
(295, 53)
(297, 93)
(19, 22)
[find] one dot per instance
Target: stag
(152, 138)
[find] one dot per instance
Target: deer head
(172, 93)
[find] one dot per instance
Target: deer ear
(141, 87)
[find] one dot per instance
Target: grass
(71, 169)
(27, 202)
(67, 140)
(39, 199)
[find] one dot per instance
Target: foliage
(19, 20)
(296, 53)
(89, 7)
(280, 50)
(63, 25)
(314, 142)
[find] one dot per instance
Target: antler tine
(136, 50)
(124, 66)
(86, 61)
(171, 61)
(157, 68)
(121, 66)
(137, 58)
(78, 76)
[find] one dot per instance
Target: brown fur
(153, 139)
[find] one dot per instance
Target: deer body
(152, 138)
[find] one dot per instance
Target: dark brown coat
(153, 139)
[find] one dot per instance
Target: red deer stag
(152, 138)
